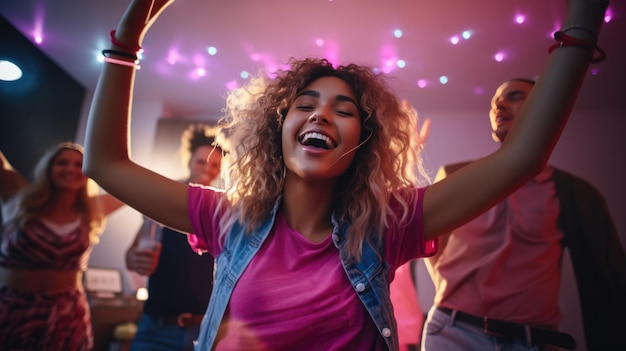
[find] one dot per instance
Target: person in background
(323, 196)
(180, 280)
(48, 231)
(497, 278)
(403, 290)
(406, 307)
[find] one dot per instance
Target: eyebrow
(316, 94)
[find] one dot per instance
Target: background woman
(48, 230)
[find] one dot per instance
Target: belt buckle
(488, 331)
(180, 320)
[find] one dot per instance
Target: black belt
(510, 330)
(181, 320)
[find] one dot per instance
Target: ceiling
(253, 34)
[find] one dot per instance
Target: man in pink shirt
(497, 278)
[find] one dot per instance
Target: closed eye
(345, 113)
(305, 107)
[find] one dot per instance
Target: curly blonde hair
(37, 197)
(383, 168)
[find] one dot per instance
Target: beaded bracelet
(125, 47)
(564, 40)
(120, 53)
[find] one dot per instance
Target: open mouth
(317, 140)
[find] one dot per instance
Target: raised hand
(138, 18)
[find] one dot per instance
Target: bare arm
(107, 158)
(470, 191)
(109, 203)
(11, 181)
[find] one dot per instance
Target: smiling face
(321, 130)
(66, 170)
(204, 165)
(506, 105)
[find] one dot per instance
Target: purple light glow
(499, 57)
(38, 30)
(173, 57)
(608, 15)
(519, 19)
(232, 85)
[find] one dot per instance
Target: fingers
(145, 261)
(425, 131)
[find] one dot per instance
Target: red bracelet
(564, 40)
(125, 47)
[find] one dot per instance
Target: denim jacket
(369, 278)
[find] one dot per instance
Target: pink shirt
(294, 294)
(506, 263)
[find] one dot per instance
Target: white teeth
(313, 135)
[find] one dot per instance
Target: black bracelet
(120, 54)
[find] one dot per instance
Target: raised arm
(470, 191)
(107, 158)
(11, 181)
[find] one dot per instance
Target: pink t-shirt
(505, 264)
(294, 294)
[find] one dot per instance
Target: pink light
(232, 85)
(38, 39)
(608, 15)
(422, 83)
(519, 19)
(172, 57)
(319, 42)
(499, 57)
(454, 40)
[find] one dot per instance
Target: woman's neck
(308, 208)
(63, 208)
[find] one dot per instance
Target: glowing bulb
(142, 294)
(9, 71)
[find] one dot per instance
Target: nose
(500, 104)
(319, 117)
